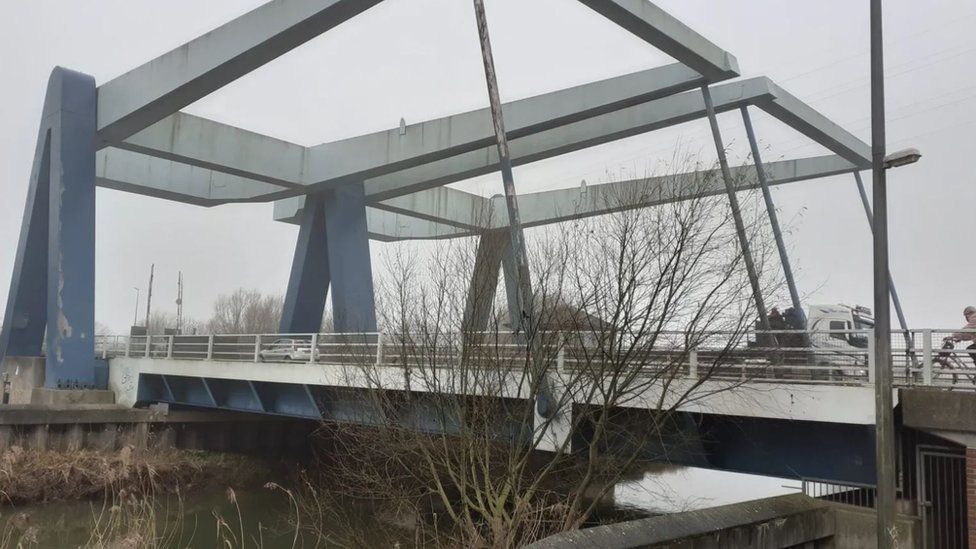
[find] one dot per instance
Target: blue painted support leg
(353, 302)
(26, 315)
(308, 284)
(492, 246)
(53, 283)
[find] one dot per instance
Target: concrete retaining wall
(111, 428)
(20, 376)
(855, 527)
(773, 523)
(786, 521)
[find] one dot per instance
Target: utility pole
(884, 420)
(179, 303)
(152, 271)
(135, 314)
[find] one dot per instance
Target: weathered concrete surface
(938, 409)
(110, 427)
(856, 527)
(23, 374)
(785, 521)
(42, 396)
(94, 413)
(948, 414)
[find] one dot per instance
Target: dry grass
(45, 476)
(137, 498)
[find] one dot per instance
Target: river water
(261, 515)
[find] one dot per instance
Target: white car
(288, 350)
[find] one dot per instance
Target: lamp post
(135, 315)
(883, 386)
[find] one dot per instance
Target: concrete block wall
(21, 375)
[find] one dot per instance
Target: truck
(835, 343)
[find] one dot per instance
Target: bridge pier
(53, 283)
(332, 249)
(494, 253)
(308, 283)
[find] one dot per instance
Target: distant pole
(152, 271)
(179, 302)
(740, 227)
(508, 180)
(761, 176)
(135, 314)
(884, 420)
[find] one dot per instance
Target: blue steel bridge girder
(53, 284)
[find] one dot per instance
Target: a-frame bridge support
(52, 289)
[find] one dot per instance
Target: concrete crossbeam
(208, 144)
(443, 205)
(563, 204)
(788, 109)
(620, 124)
(417, 144)
(659, 29)
(241, 164)
(157, 177)
(153, 91)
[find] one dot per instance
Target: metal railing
(833, 357)
(848, 493)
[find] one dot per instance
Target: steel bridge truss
(129, 134)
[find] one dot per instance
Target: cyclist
(970, 314)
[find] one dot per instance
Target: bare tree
(494, 439)
(246, 312)
(160, 321)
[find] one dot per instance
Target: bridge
(793, 402)
(765, 407)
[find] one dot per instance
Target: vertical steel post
(561, 353)
(872, 361)
(505, 166)
(379, 349)
(773, 218)
(313, 348)
(884, 420)
(927, 357)
(740, 227)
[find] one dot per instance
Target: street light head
(901, 158)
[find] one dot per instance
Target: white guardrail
(919, 357)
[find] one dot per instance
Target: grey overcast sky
(419, 59)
